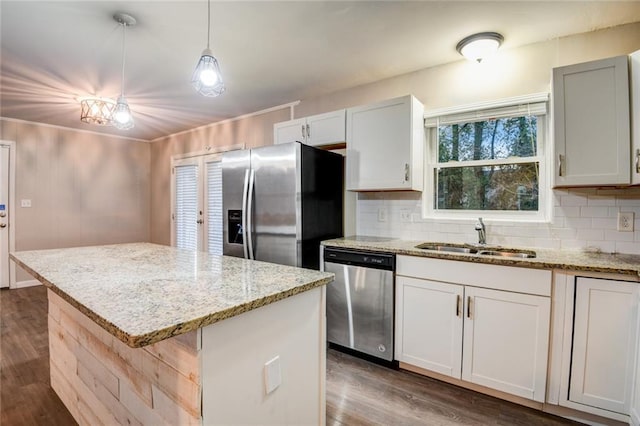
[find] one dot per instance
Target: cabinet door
(634, 69)
(635, 396)
(429, 325)
(326, 129)
(290, 131)
(591, 123)
(604, 333)
(506, 341)
(384, 146)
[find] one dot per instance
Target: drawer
(509, 278)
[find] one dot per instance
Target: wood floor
(358, 392)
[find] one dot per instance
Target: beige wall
(85, 188)
(513, 72)
(248, 132)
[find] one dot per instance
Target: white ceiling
(270, 52)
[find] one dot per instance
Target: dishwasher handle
(367, 259)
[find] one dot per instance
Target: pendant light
(207, 78)
(122, 118)
(476, 47)
(95, 110)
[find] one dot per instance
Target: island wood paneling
(103, 381)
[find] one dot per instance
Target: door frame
(12, 208)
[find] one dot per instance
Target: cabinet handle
(560, 164)
(457, 305)
(308, 131)
(406, 172)
(637, 160)
(303, 136)
(469, 307)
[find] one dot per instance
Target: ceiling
(270, 52)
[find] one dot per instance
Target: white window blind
(186, 214)
(214, 207)
(537, 108)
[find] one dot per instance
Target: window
(487, 162)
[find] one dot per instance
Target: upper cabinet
(316, 130)
(634, 66)
(385, 145)
(591, 123)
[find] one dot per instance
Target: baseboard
(635, 418)
(26, 283)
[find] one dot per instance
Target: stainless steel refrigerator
(280, 201)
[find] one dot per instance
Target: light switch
(25, 203)
(272, 376)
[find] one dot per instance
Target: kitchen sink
(508, 253)
(448, 248)
(481, 251)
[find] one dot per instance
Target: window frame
(512, 107)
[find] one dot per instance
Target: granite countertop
(143, 293)
(570, 260)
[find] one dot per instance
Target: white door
(290, 131)
(197, 204)
(429, 325)
(506, 341)
(4, 216)
(604, 343)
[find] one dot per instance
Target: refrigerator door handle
(245, 189)
(252, 175)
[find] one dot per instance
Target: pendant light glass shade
(207, 78)
(122, 118)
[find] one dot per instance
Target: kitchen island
(148, 334)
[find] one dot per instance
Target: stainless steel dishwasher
(360, 301)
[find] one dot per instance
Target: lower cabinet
(488, 336)
(604, 344)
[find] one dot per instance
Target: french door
(196, 210)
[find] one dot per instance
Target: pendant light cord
(208, 22)
(124, 34)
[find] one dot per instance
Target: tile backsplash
(580, 219)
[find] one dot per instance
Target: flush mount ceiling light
(207, 78)
(98, 111)
(122, 118)
(476, 47)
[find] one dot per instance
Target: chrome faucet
(482, 232)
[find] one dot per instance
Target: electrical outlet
(405, 215)
(25, 203)
(382, 214)
(272, 375)
(625, 221)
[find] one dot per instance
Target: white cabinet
(480, 329)
(316, 130)
(591, 123)
(634, 69)
(385, 145)
(429, 325)
(635, 395)
(506, 339)
(604, 343)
